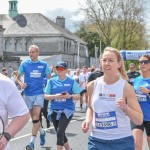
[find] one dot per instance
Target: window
(18, 45)
(8, 45)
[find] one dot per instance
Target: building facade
(56, 43)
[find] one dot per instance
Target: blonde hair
(35, 47)
(121, 70)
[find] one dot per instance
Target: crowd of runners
(116, 101)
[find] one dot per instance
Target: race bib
(35, 75)
(141, 98)
(60, 100)
(106, 120)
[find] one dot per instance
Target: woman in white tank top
(111, 104)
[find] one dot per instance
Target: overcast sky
(49, 8)
(147, 14)
(54, 8)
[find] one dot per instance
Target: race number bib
(60, 100)
(106, 120)
(141, 98)
(35, 75)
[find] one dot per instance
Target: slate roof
(34, 24)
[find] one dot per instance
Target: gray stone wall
(1, 40)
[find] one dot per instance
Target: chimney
(13, 9)
(60, 20)
(1, 40)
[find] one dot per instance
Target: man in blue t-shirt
(34, 72)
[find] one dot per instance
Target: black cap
(62, 64)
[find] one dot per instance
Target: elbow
(46, 97)
(140, 119)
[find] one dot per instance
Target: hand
(121, 103)
(65, 96)
(85, 126)
(143, 89)
(24, 85)
(3, 143)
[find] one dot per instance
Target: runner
(110, 100)
(61, 91)
(10, 99)
(142, 88)
(34, 72)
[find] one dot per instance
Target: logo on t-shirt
(40, 66)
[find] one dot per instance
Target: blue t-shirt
(143, 99)
(34, 73)
(56, 86)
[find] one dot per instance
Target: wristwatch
(7, 136)
(148, 93)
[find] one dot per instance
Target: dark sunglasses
(143, 61)
(60, 68)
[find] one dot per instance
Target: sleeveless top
(109, 121)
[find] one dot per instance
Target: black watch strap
(7, 136)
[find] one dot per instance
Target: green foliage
(118, 24)
(92, 38)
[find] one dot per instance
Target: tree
(119, 23)
(92, 38)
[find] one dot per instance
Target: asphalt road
(77, 139)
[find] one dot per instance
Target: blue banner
(133, 54)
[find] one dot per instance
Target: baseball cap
(62, 64)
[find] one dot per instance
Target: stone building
(56, 43)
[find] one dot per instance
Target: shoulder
(90, 85)
(4, 79)
(70, 79)
(26, 63)
(43, 62)
(137, 72)
(138, 78)
(6, 83)
(128, 90)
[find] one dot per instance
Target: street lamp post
(78, 57)
(96, 50)
(100, 47)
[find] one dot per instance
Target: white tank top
(109, 121)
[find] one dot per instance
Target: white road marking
(26, 135)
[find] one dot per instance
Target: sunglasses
(60, 68)
(143, 61)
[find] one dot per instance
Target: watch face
(7, 136)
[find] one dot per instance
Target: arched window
(64, 46)
(18, 45)
(8, 45)
(28, 43)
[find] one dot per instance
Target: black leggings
(60, 127)
(45, 112)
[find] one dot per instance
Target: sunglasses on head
(60, 68)
(143, 61)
